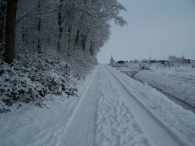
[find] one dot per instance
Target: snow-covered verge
(28, 124)
(177, 80)
(31, 77)
(178, 83)
(31, 125)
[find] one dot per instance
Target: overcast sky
(156, 29)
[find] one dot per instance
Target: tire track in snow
(80, 130)
(155, 130)
(115, 125)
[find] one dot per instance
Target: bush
(31, 77)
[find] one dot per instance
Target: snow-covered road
(109, 114)
(154, 129)
(113, 110)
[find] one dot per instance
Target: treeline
(76, 29)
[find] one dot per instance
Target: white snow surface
(111, 110)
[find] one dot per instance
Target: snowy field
(178, 81)
(111, 110)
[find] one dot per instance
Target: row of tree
(71, 27)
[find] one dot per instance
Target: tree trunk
(60, 26)
(10, 31)
(76, 40)
(2, 24)
(69, 36)
(83, 43)
(91, 49)
(70, 25)
(39, 28)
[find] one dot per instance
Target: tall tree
(10, 31)
(2, 25)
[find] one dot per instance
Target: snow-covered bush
(30, 77)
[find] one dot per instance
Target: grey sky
(156, 28)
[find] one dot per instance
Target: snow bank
(177, 80)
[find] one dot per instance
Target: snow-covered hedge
(30, 77)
